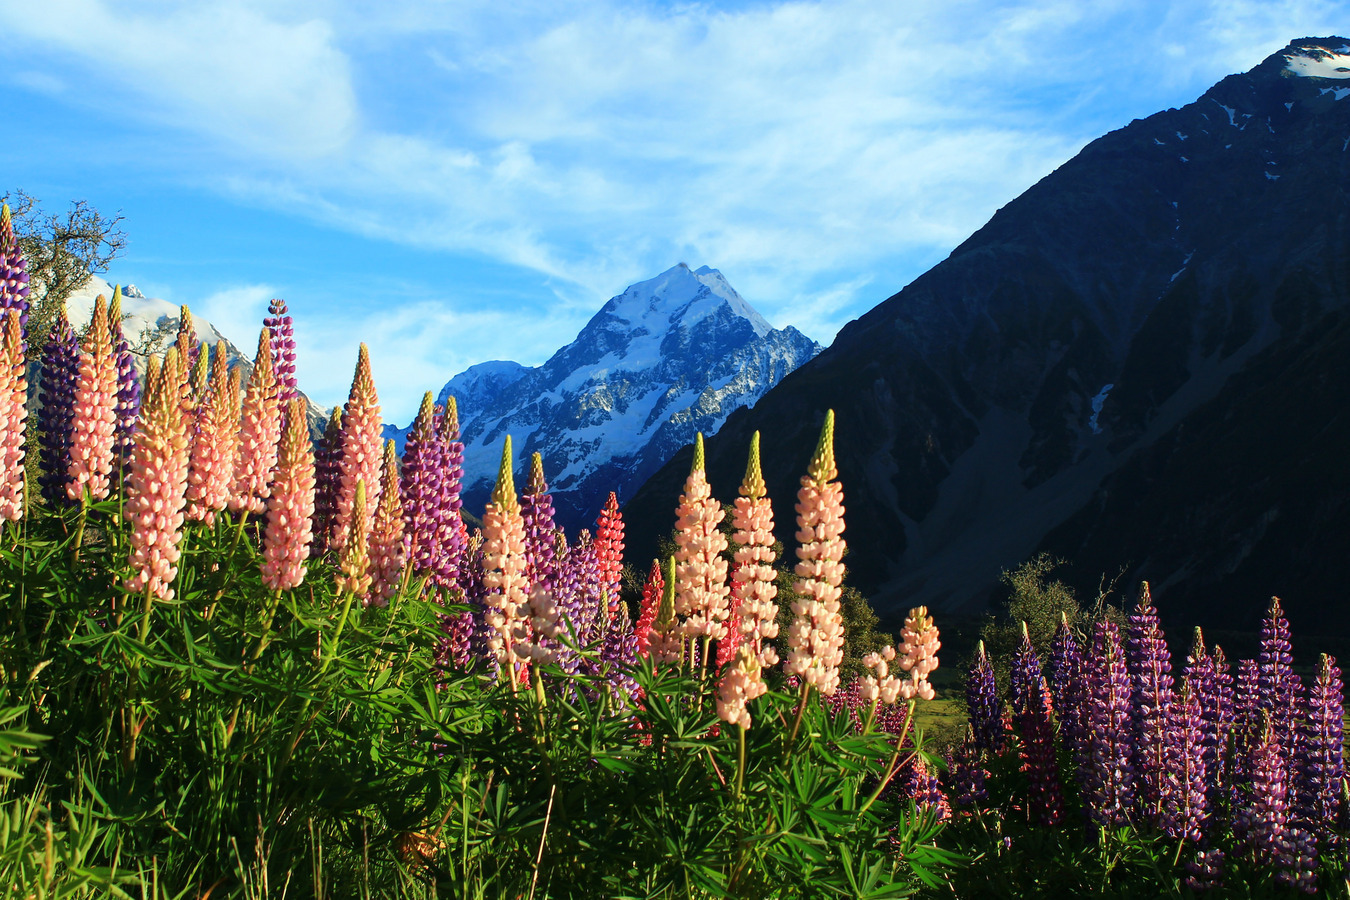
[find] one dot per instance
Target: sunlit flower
(259, 434)
(701, 590)
(388, 549)
(361, 451)
(290, 509)
(13, 415)
(92, 431)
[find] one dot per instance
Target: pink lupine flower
(507, 616)
(157, 485)
(214, 442)
(362, 451)
(609, 552)
(290, 509)
(186, 342)
(816, 636)
(701, 590)
(388, 549)
(540, 647)
(353, 574)
(918, 653)
(753, 580)
(91, 445)
(13, 416)
(259, 434)
(740, 683)
(666, 645)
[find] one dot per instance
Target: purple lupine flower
(536, 508)
(13, 271)
(1213, 687)
(1068, 688)
(426, 519)
(1032, 709)
(282, 342)
(1298, 860)
(1319, 760)
(1247, 733)
(1204, 871)
(455, 649)
(60, 369)
(128, 404)
(967, 777)
(580, 593)
(1108, 781)
(1267, 810)
(327, 481)
(984, 708)
(1184, 807)
(917, 783)
(1278, 691)
(618, 652)
(1150, 665)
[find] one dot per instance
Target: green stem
(891, 767)
(740, 764)
(796, 720)
(329, 653)
(79, 530)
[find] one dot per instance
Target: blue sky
(453, 182)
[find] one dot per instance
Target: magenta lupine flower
(1184, 806)
(984, 708)
(815, 639)
(651, 600)
(157, 484)
(92, 430)
(215, 441)
(1268, 803)
(1069, 689)
(327, 480)
(430, 524)
(128, 406)
(1150, 665)
(1278, 691)
(454, 477)
(388, 549)
(13, 416)
(282, 331)
(609, 552)
(1319, 761)
(1212, 684)
(259, 435)
(1108, 782)
(13, 271)
(1032, 709)
(60, 369)
(454, 649)
(290, 509)
(1247, 730)
(536, 510)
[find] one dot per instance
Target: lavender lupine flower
(282, 330)
(1184, 807)
(13, 271)
(609, 552)
(536, 509)
(127, 408)
(966, 775)
(60, 368)
(13, 416)
(1108, 780)
(1216, 708)
(985, 709)
(1032, 709)
(327, 480)
(1204, 871)
(1068, 688)
(1319, 760)
(922, 786)
(618, 652)
(1278, 691)
(1150, 665)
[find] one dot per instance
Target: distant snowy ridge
(667, 358)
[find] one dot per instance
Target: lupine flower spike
(1032, 707)
(290, 509)
(388, 550)
(424, 512)
(701, 590)
(187, 345)
(13, 416)
(1150, 664)
(1108, 781)
(13, 271)
(60, 369)
(507, 615)
(753, 580)
(353, 577)
(651, 601)
(536, 510)
(666, 645)
(985, 709)
(214, 443)
(92, 432)
(609, 552)
(259, 435)
(327, 480)
(282, 330)
(128, 406)
(157, 485)
(816, 637)
(361, 450)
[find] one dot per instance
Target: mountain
(663, 360)
(1142, 364)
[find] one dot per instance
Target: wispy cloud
(816, 152)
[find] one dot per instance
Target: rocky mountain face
(665, 359)
(1140, 364)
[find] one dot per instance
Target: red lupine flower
(609, 552)
(651, 600)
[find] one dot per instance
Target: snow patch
(1270, 177)
(1098, 401)
(1340, 93)
(1181, 136)
(1232, 113)
(1289, 105)
(1316, 62)
(1184, 263)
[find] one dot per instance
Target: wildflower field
(237, 664)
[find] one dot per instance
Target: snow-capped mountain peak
(1318, 58)
(668, 357)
